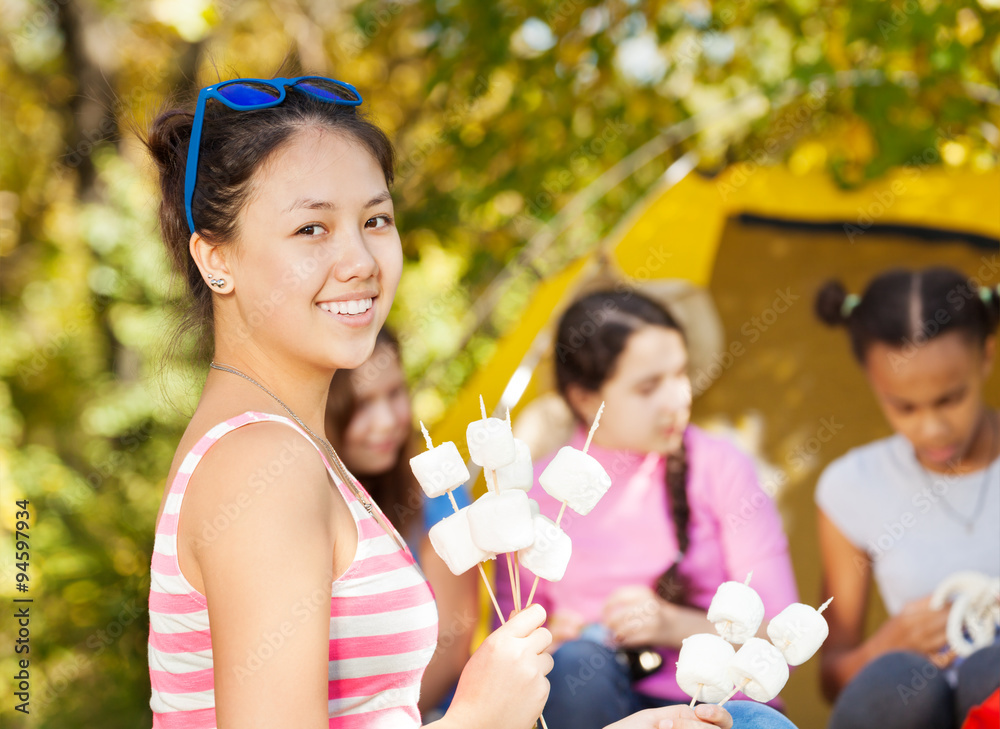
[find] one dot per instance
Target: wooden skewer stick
(486, 581)
(517, 577)
(694, 699)
(735, 691)
(562, 509)
(824, 606)
(531, 594)
(593, 428)
(427, 436)
(482, 407)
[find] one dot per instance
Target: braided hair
(591, 335)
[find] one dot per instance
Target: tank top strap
(214, 434)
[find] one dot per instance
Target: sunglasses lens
(327, 89)
(249, 93)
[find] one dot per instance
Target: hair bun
(168, 138)
(829, 304)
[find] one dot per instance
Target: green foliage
(502, 113)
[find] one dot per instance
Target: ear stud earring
(219, 282)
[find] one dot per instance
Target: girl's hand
(503, 684)
(677, 717)
(565, 625)
(638, 616)
(916, 627)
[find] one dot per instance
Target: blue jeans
(591, 689)
(906, 691)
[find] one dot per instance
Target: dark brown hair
(902, 308)
(396, 491)
(591, 336)
(234, 146)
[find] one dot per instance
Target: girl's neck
(303, 393)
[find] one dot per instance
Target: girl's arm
(637, 616)
(262, 548)
(847, 576)
(751, 537)
(458, 616)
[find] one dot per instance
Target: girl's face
(319, 256)
(382, 420)
(932, 394)
(647, 397)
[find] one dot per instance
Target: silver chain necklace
(323, 442)
(969, 522)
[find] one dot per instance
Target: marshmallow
(758, 670)
(548, 556)
(491, 444)
(501, 521)
(798, 631)
(519, 474)
(701, 667)
(576, 478)
(452, 540)
(736, 611)
(535, 509)
(439, 470)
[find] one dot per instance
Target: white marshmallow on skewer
(736, 610)
(575, 478)
(491, 442)
(502, 521)
(702, 667)
(547, 556)
(535, 509)
(759, 670)
(798, 631)
(439, 470)
(452, 540)
(519, 474)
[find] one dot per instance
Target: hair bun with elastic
(832, 300)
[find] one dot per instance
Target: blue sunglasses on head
(246, 94)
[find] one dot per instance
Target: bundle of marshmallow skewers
(504, 520)
(709, 669)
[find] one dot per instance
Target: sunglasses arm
(191, 171)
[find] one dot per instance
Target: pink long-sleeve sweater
(628, 539)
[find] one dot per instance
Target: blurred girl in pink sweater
(650, 556)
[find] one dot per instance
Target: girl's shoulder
(874, 460)
(873, 472)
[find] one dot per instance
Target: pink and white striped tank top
(383, 621)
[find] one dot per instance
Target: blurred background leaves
(502, 112)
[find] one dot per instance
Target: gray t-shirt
(888, 505)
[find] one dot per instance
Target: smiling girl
(280, 594)
(914, 508)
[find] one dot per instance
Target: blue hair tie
(986, 293)
(850, 302)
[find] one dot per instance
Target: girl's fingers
(715, 715)
(548, 663)
(526, 622)
(539, 640)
